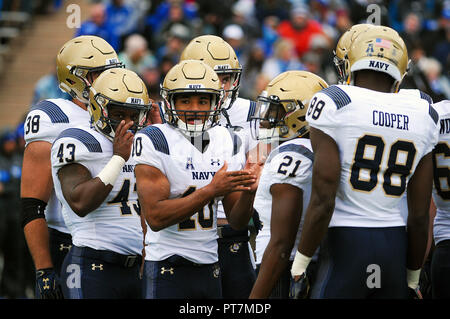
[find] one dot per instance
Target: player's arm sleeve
(38, 127)
(292, 167)
(42, 121)
(322, 114)
(76, 146)
(148, 151)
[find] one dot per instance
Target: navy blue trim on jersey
(237, 142)
(433, 113)
(251, 110)
(53, 111)
(426, 97)
(292, 148)
(84, 137)
(158, 139)
(339, 97)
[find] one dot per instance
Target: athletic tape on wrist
(111, 171)
(300, 264)
(412, 277)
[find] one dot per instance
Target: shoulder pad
(292, 148)
(53, 111)
(84, 137)
(157, 137)
(338, 95)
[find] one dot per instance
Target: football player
(79, 62)
(235, 252)
(182, 168)
(440, 278)
(94, 180)
(370, 146)
(285, 183)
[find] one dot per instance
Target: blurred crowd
(269, 37)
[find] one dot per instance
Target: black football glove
(300, 288)
(47, 283)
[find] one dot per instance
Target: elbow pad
(32, 209)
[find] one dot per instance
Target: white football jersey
(381, 139)
(290, 163)
(44, 122)
(426, 97)
(441, 165)
(187, 169)
(115, 225)
(239, 114)
(417, 93)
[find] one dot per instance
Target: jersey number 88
(361, 161)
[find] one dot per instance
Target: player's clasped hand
(300, 287)
(123, 140)
(225, 182)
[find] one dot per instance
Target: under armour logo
(216, 271)
(234, 248)
(189, 164)
(62, 247)
(94, 266)
(163, 270)
(215, 162)
(46, 286)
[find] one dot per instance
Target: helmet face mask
(113, 111)
(192, 80)
(219, 55)
(232, 92)
(270, 118)
(115, 95)
(79, 59)
(343, 46)
(280, 114)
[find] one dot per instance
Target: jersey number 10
(205, 223)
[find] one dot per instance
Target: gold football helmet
(343, 45)
(192, 77)
(80, 56)
(281, 109)
(220, 56)
(115, 90)
(380, 49)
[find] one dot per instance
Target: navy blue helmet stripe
(53, 111)
(339, 97)
(292, 148)
(158, 139)
(84, 137)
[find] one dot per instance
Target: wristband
(300, 264)
(32, 208)
(111, 171)
(412, 278)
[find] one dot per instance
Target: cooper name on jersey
(392, 120)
